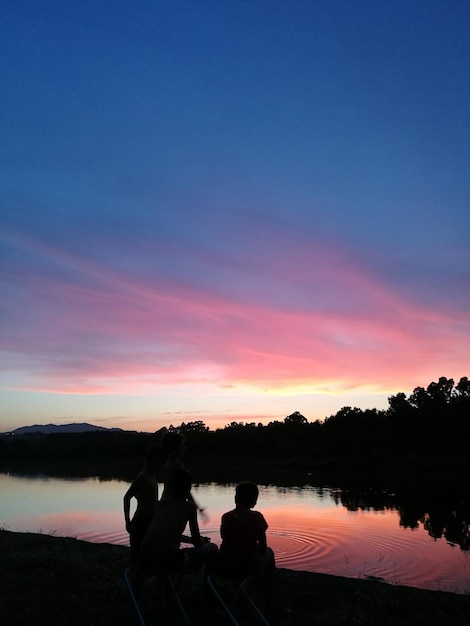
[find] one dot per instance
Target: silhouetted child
(174, 444)
(244, 547)
(160, 551)
(145, 490)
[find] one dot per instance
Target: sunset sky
(230, 210)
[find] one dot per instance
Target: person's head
(173, 443)
(246, 494)
(180, 482)
(155, 457)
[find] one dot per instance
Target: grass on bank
(50, 580)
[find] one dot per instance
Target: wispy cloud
(297, 317)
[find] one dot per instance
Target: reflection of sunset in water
(335, 541)
(308, 530)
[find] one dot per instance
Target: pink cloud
(314, 317)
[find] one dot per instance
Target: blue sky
(230, 210)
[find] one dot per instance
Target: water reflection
(442, 515)
(402, 538)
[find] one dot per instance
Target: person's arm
(201, 510)
(196, 538)
(262, 541)
(127, 505)
(263, 544)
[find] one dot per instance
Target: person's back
(160, 549)
(244, 549)
(243, 533)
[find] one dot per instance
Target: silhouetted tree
(463, 387)
(295, 419)
(399, 406)
(440, 393)
(193, 427)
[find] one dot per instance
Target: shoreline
(49, 579)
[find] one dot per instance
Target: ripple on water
(332, 546)
(341, 549)
(304, 549)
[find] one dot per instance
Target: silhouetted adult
(174, 444)
(145, 490)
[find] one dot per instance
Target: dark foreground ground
(49, 580)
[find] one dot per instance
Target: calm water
(313, 529)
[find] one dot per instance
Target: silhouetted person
(174, 444)
(145, 490)
(160, 551)
(244, 547)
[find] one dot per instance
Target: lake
(310, 528)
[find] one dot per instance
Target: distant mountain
(60, 428)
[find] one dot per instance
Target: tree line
(431, 423)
